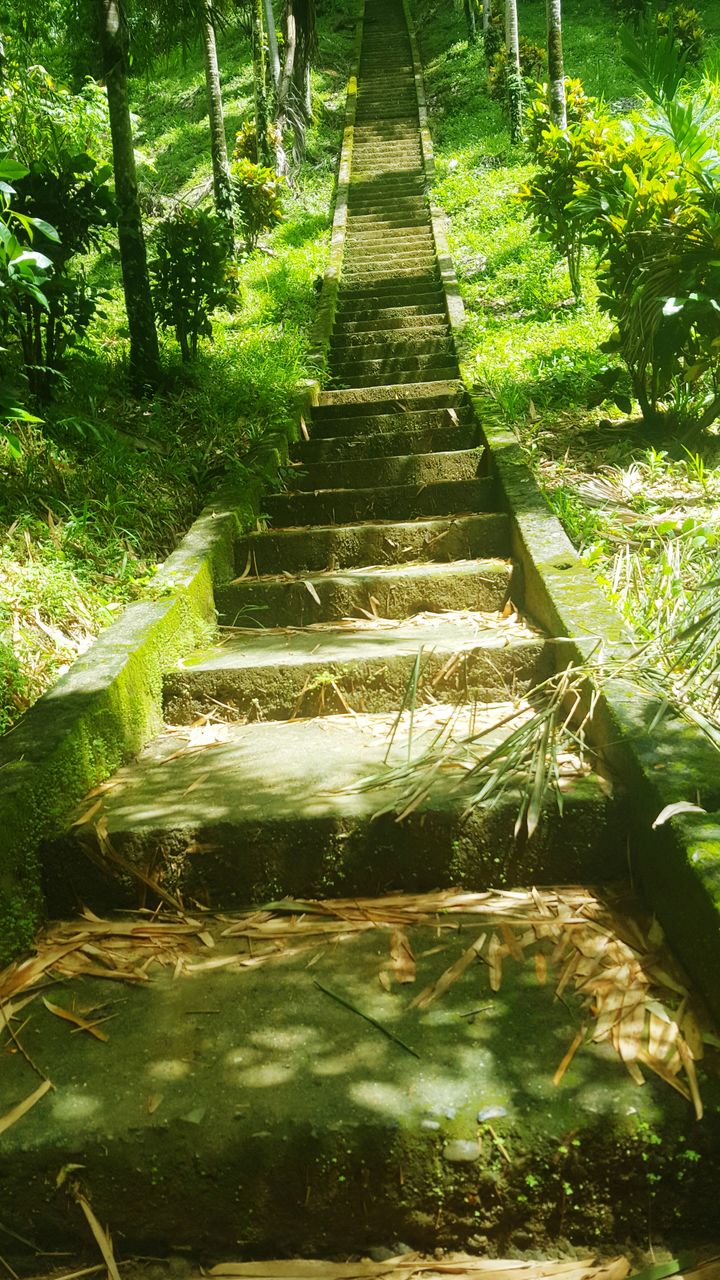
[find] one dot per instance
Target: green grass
(108, 484)
(645, 517)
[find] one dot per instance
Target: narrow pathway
(385, 566)
(306, 1106)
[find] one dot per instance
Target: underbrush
(642, 508)
(107, 484)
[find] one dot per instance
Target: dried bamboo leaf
(17, 1112)
(102, 1237)
(403, 960)
(569, 1055)
(79, 1023)
(450, 976)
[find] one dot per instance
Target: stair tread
(324, 643)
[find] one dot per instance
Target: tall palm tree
(218, 143)
(556, 69)
(514, 74)
(144, 354)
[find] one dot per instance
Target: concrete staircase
(388, 542)
(283, 1123)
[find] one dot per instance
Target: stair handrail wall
(325, 319)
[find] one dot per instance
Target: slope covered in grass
(107, 484)
(643, 509)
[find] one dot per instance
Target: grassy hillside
(107, 485)
(644, 510)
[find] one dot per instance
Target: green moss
(107, 707)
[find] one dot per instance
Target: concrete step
(369, 473)
(358, 332)
(385, 444)
(274, 809)
(428, 302)
(349, 338)
(419, 395)
(420, 267)
(376, 242)
(395, 591)
(388, 317)
(392, 502)
(381, 372)
(360, 351)
(331, 1136)
(400, 416)
(366, 666)
(383, 542)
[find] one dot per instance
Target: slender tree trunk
(556, 69)
(260, 82)
(144, 354)
(514, 74)
(218, 144)
(470, 20)
(486, 16)
(272, 44)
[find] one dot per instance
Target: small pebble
(429, 1124)
(491, 1113)
(380, 1254)
(461, 1151)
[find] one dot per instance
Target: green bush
(532, 65)
(246, 147)
(257, 193)
(579, 107)
(193, 274)
(563, 156)
(686, 27)
(648, 199)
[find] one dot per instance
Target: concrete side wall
(322, 330)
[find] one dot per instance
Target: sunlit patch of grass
(107, 486)
(643, 513)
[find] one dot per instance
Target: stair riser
(385, 444)
(423, 469)
(397, 503)
(398, 420)
(375, 400)
(314, 857)
(393, 371)
(395, 348)
(377, 685)
(290, 604)
(352, 546)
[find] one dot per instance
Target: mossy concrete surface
(107, 706)
(278, 807)
(248, 1112)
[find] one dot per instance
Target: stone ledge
(107, 706)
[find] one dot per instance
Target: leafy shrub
(72, 195)
(59, 139)
(494, 37)
(12, 684)
(246, 147)
(686, 27)
(532, 65)
(193, 274)
(257, 193)
(579, 106)
(563, 157)
(648, 199)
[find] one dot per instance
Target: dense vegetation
(100, 478)
(588, 263)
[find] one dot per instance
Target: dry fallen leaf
(16, 1113)
(403, 960)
